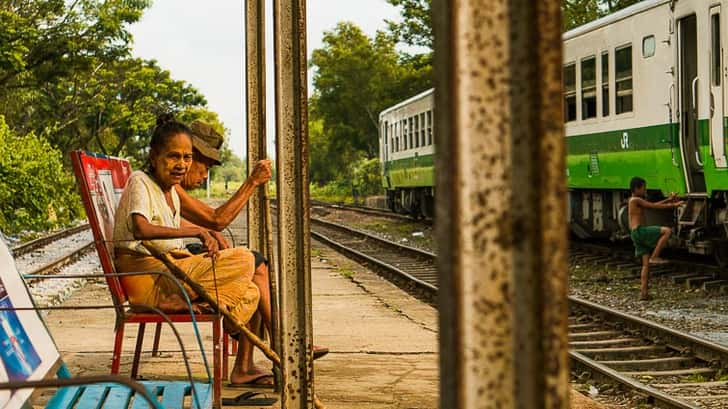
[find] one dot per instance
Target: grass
(345, 272)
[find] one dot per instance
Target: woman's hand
(261, 172)
(213, 249)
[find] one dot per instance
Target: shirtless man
(646, 238)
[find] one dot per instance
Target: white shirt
(143, 196)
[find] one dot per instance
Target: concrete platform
(383, 342)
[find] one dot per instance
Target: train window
(589, 88)
(429, 127)
(417, 131)
(623, 79)
(410, 133)
(570, 92)
(423, 139)
(605, 83)
(648, 46)
(715, 60)
(404, 135)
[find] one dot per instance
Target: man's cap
(206, 140)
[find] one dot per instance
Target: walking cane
(168, 261)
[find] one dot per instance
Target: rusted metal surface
(294, 247)
(255, 109)
(501, 204)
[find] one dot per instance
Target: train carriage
(643, 96)
(406, 149)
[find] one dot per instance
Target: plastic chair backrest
(27, 350)
(101, 180)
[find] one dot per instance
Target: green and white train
(643, 96)
(406, 148)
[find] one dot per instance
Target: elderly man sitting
(206, 144)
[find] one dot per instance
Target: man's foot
(319, 352)
(645, 298)
(658, 261)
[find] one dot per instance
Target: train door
(688, 76)
(717, 132)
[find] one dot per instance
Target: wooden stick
(254, 339)
(273, 277)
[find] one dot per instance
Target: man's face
(642, 191)
(197, 173)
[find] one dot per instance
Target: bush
(367, 177)
(36, 192)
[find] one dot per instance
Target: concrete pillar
(255, 109)
(501, 204)
(294, 246)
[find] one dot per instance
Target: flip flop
(320, 352)
(246, 399)
(253, 383)
(659, 262)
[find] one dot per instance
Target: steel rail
(699, 348)
(26, 248)
(61, 262)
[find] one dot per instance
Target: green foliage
(355, 78)
(580, 12)
(36, 192)
(66, 72)
(415, 28)
(367, 177)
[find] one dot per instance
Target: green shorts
(645, 239)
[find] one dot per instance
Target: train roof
(407, 101)
(614, 17)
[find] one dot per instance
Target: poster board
(27, 350)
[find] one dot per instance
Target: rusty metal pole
(255, 108)
(294, 245)
(257, 144)
(501, 204)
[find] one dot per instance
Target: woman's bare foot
(254, 377)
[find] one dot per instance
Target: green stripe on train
(608, 160)
(410, 172)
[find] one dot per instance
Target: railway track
(370, 211)
(672, 369)
(33, 245)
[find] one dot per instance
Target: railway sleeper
(696, 282)
(593, 335)
(583, 326)
(682, 278)
(704, 371)
(629, 352)
(714, 285)
(652, 364)
(607, 343)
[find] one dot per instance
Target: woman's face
(173, 160)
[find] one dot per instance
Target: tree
(415, 29)
(580, 12)
(35, 191)
(354, 79)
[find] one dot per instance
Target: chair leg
(138, 350)
(157, 335)
(116, 357)
(225, 352)
(216, 358)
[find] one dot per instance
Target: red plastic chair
(101, 181)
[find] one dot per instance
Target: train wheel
(720, 252)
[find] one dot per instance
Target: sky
(202, 42)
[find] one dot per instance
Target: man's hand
(210, 243)
(261, 173)
(221, 241)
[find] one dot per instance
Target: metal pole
(501, 204)
(255, 108)
(294, 246)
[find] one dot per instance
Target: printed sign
(27, 351)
